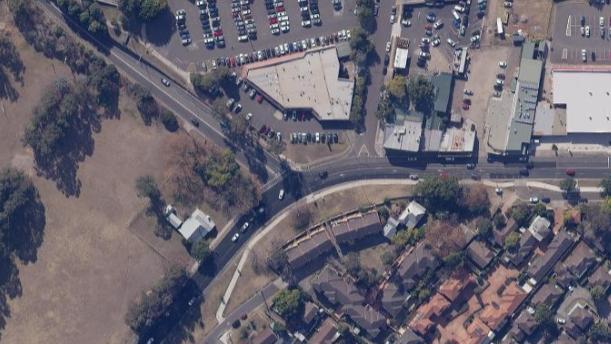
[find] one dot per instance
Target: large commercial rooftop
(587, 96)
(307, 80)
(403, 136)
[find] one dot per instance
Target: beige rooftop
(306, 80)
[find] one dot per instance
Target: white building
(413, 213)
(197, 226)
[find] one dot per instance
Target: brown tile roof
(367, 318)
(422, 322)
(416, 264)
(580, 260)
(266, 336)
(325, 333)
(308, 250)
(357, 227)
(479, 253)
(452, 287)
(526, 323)
(478, 332)
(335, 289)
(497, 311)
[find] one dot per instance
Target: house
(390, 228)
(479, 254)
(413, 213)
(524, 326)
(326, 333)
(479, 333)
(335, 289)
(557, 249)
(416, 265)
(540, 228)
(357, 227)
(565, 339)
(499, 235)
(266, 336)
(563, 276)
(577, 312)
(367, 318)
(170, 215)
(409, 337)
(456, 286)
(393, 298)
(197, 226)
(428, 314)
(310, 311)
(309, 250)
(443, 84)
(601, 277)
(581, 260)
(498, 311)
(527, 245)
(549, 294)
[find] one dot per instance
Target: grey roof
(416, 264)
(526, 323)
(393, 299)
(527, 245)
(390, 228)
(548, 294)
(335, 289)
(479, 254)
(356, 228)
(578, 298)
(367, 318)
(405, 136)
(326, 333)
(308, 250)
(409, 337)
(580, 260)
(343, 49)
(540, 228)
(443, 83)
(601, 277)
(563, 276)
(542, 265)
(528, 50)
(309, 312)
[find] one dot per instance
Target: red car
(465, 106)
(273, 20)
(570, 172)
(259, 98)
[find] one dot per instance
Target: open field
(90, 266)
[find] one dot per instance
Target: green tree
(362, 46)
(201, 251)
(568, 185)
(421, 93)
(499, 220)
(169, 120)
(366, 15)
(151, 306)
(438, 194)
(521, 213)
(389, 256)
(385, 111)
(454, 260)
(288, 303)
(605, 185)
(600, 333)
(484, 227)
(301, 217)
(512, 240)
(144, 10)
(598, 293)
(397, 88)
(544, 316)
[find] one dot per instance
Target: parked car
(281, 194)
(235, 237)
(165, 82)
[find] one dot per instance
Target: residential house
(601, 277)
(549, 294)
(527, 245)
(479, 333)
(412, 215)
(523, 327)
(540, 228)
(577, 312)
(557, 249)
(326, 333)
(497, 312)
(563, 276)
(171, 217)
(310, 312)
(564, 338)
(309, 250)
(457, 287)
(416, 265)
(335, 289)
(390, 228)
(581, 260)
(479, 254)
(367, 318)
(428, 314)
(358, 227)
(197, 226)
(393, 298)
(409, 337)
(266, 336)
(499, 235)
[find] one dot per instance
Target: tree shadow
(7, 91)
(160, 30)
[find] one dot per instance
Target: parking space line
(565, 53)
(568, 27)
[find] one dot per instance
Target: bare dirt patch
(532, 17)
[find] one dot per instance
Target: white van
(456, 16)
(459, 8)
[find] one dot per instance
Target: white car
(507, 4)
(587, 31)
(584, 55)
(317, 139)
(534, 199)
(306, 23)
(438, 24)
(451, 42)
(502, 64)
(249, 116)
(425, 40)
(406, 22)
(281, 194)
(436, 42)
(498, 191)
(244, 227)
(392, 18)
(235, 237)
(387, 47)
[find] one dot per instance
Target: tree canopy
(568, 185)
(438, 194)
(144, 10)
(288, 303)
(421, 93)
(397, 88)
(201, 250)
(605, 185)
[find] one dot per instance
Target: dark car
(545, 199)
(323, 174)
(195, 121)
(524, 172)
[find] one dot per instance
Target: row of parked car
(277, 16)
(181, 25)
(280, 50)
(242, 17)
(310, 13)
(211, 23)
(317, 137)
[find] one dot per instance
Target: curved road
(298, 184)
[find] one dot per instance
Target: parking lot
(569, 41)
(192, 56)
(450, 30)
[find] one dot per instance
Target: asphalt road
(297, 185)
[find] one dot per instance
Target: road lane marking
(568, 27)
